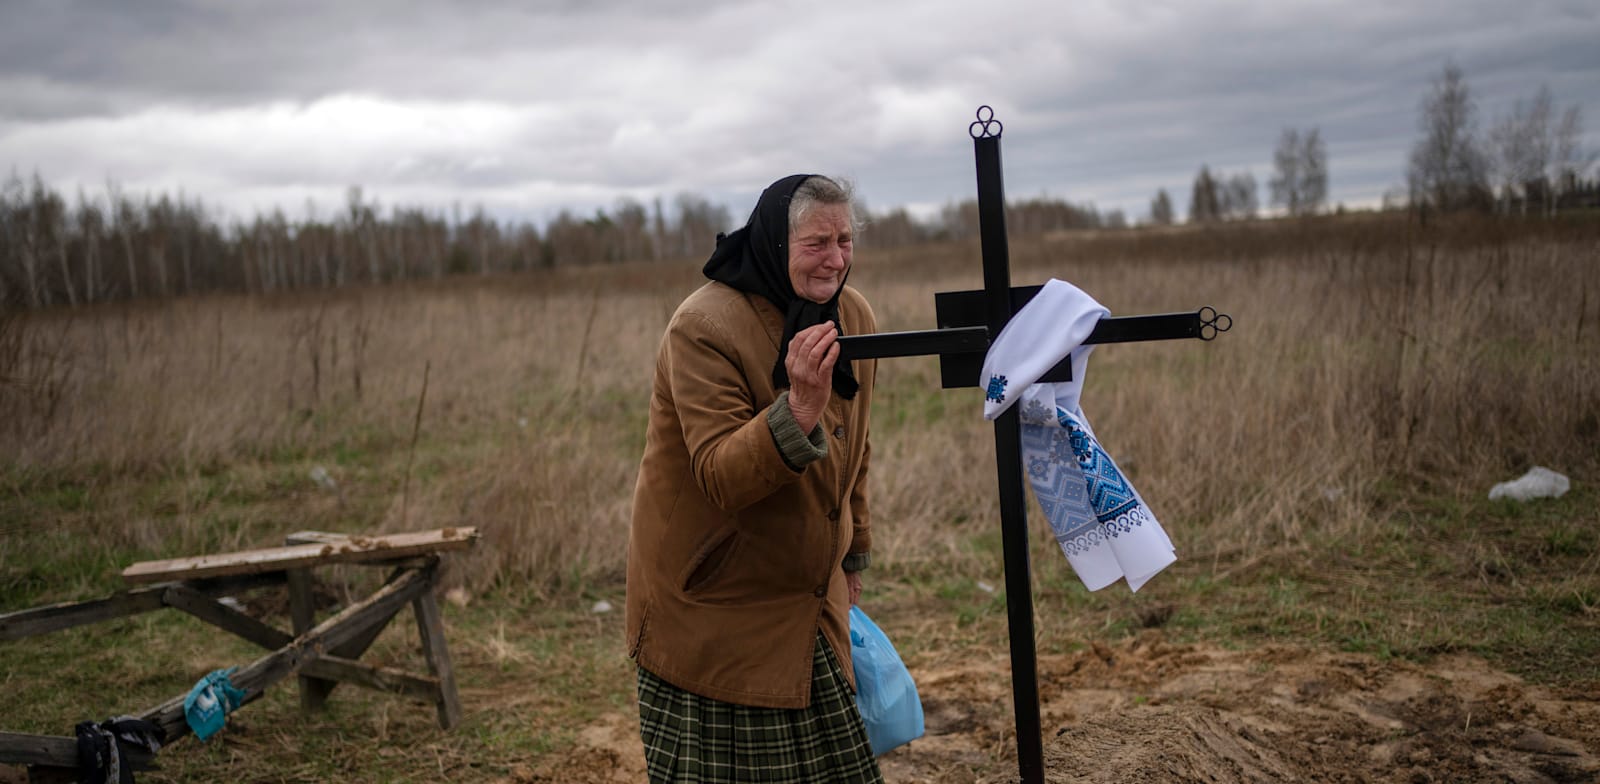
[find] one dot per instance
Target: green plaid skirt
(690, 739)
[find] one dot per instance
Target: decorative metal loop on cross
(986, 126)
(1213, 323)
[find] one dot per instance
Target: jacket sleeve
(859, 556)
(732, 452)
(860, 552)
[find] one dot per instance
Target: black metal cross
(968, 321)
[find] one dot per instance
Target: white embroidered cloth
(1103, 525)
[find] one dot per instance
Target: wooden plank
(356, 619)
(20, 748)
(431, 627)
(54, 751)
(217, 614)
(315, 537)
(358, 549)
(337, 669)
(66, 615)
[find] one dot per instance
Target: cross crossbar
(960, 343)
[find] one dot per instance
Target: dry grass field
(1322, 469)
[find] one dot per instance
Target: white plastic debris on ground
(320, 476)
(601, 606)
(1539, 482)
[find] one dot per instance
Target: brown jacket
(734, 557)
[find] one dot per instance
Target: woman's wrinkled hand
(812, 354)
(853, 581)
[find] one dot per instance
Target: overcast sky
(525, 107)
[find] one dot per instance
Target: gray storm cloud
(526, 108)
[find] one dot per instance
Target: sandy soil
(1149, 711)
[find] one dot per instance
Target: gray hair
(818, 189)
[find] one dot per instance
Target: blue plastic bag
(885, 694)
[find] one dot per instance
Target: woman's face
(819, 252)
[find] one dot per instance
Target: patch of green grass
(1565, 539)
(1435, 573)
(532, 674)
(1509, 581)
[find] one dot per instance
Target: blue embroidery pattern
(1081, 491)
(1059, 487)
(997, 389)
(1109, 492)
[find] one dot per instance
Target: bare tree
(1519, 150)
(658, 229)
(54, 224)
(1537, 161)
(482, 234)
(123, 219)
(1285, 182)
(1205, 203)
(698, 223)
(8, 242)
(89, 225)
(1570, 160)
(26, 234)
(1238, 197)
(1313, 172)
(958, 221)
(1447, 169)
(895, 228)
(633, 230)
(1161, 209)
(1299, 181)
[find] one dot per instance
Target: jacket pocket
(710, 560)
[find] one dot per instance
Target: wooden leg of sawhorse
(431, 629)
(302, 617)
(302, 614)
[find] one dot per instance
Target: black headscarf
(755, 259)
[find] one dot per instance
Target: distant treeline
(114, 247)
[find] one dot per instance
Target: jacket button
(838, 432)
(833, 515)
(822, 590)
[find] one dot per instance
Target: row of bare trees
(115, 247)
(1299, 185)
(1529, 160)
(1215, 197)
(1532, 160)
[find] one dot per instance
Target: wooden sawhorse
(322, 654)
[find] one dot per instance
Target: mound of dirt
(1164, 743)
(1156, 713)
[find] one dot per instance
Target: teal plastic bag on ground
(885, 693)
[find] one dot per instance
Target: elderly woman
(750, 524)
